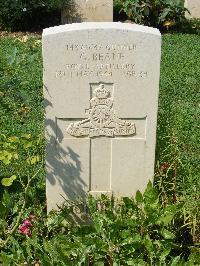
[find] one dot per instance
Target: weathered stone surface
(101, 84)
(194, 7)
(89, 11)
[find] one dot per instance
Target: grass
(178, 141)
(21, 108)
(21, 86)
(178, 145)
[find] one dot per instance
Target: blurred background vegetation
(34, 15)
(30, 15)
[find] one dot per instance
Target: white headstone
(88, 11)
(194, 7)
(101, 85)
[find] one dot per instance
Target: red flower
(24, 229)
(27, 223)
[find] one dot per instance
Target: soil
(20, 34)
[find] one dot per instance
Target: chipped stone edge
(99, 25)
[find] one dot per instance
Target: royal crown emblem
(101, 119)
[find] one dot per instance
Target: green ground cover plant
(160, 227)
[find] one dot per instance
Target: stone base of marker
(194, 7)
(101, 84)
(88, 11)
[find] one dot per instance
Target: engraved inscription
(98, 47)
(107, 56)
(100, 60)
(101, 119)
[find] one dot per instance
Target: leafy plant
(177, 170)
(138, 231)
(24, 15)
(14, 148)
(156, 13)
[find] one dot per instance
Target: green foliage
(156, 13)
(20, 86)
(8, 181)
(118, 13)
(23, 15)
(138, 231)
(13, 151)
(177, 173)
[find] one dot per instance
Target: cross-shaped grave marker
(101, 84)
(101, 127)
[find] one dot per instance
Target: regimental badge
(101, 119)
